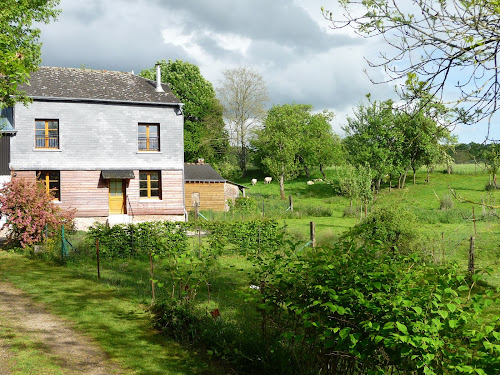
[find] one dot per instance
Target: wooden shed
(207, 189)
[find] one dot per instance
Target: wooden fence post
(97, 253)
(471, 256)
(313, 233)
(474, 221)
(152, 275)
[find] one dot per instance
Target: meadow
(231, 284)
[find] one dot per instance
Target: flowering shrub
(28, 208)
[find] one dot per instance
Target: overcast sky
(287, 41)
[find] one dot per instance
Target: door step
(119, 219)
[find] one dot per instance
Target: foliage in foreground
(352, 310)
(28, 210)
(349, 309)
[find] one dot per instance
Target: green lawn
(450, 228)
(108, 314)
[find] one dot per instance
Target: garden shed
(206, 188)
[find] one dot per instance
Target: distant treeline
(468, 152)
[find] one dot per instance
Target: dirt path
(74, 353)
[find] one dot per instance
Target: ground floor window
(52, 182)
(149, 184)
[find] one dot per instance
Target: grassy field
(449, 230)
(112, 309)
(111, 315)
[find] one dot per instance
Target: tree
(20, 45)
(279, 141)
(373, 139)
(443, 42)
(422, 138)
(319, 145)
(28, 209)
(204, 134)
(243, 95)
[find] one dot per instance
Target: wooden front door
(117, 197)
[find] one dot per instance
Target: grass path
(120, 327)
(36, 341)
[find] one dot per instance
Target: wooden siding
(24, 174)
(4, 154)
(87, 192)
(212, 195)
(171, 203)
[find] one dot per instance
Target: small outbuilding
(206, 188)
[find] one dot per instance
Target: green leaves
(340, 295)
(20, 45)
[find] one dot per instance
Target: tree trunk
(399, 180)
(322, 172)
(282, 186)
(414, 178)
(377, 184)
(428, 175)
(306, 169)
(243, 161)
(404, 178)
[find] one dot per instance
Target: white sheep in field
(268, 180)
(254, 181)
(310, 182)
(318, 180)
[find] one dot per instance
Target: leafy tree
(244, 95)
(204, 134)
(493, 162)
(20, 45)
(443, 42)
(28, 208)
(356, 183)
(319, 145)
(279, 142)
(373, 139)
(422, 138)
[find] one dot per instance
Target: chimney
(201, 161)
(158, 79)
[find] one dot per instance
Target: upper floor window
(149, 137)
(149, 184)
(47, 134)
(52, 182)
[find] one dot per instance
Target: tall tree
(319, 145)
(204, 133)
(279, 141)
(20, 45)
(373, 139)
(445, 42)
(244, 95)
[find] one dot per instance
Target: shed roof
(201, 173)
(204, 173)
(88, 85)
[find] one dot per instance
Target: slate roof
(90, 85)
(201, 173)
(204, 173)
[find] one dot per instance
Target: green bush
(446, 202)
(353, 309)
(245, 205)
(393, 226)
